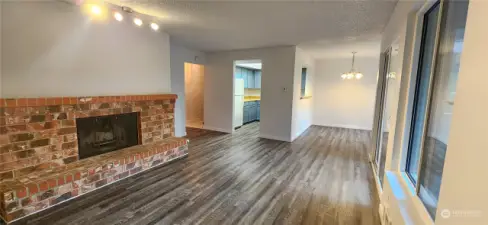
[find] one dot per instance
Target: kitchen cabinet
(252, 111)
(258, 111)
(249, 114)
(250, 79)
(245, 77)
(257, 79)
(245, 115)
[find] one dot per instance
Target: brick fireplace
(41, 163)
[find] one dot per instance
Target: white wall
(302, 108)
(51, 49)
(1, 69)
(180, 55)
(276, 90)
(398, 21)
(345, 103)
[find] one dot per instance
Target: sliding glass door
(435, 89)
(383, 130)
(382, 115)
(429, 37)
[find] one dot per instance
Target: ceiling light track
(97, 10)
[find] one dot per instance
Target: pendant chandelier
(352, 74)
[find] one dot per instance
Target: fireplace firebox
(102, 134)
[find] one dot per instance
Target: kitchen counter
(252, 98)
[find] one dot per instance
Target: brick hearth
(39, 164)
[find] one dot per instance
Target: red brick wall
(40, 133)
(26, 196)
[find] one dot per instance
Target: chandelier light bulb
(96, 10)
(352, 73)
(154, 26)
(118, 16)
(138, 22)
(359, 76)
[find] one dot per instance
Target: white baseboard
(217, 129)
(345, 126)
(376, 179)
(298, 133)
(274, 137)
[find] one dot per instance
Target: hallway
(321, 178)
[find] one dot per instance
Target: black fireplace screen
(102, 134)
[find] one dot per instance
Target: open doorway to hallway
(247, 92)
(194, 76)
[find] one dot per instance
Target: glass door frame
(384, 92)
(416, 183)
(379, 109)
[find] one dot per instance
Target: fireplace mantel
(38, 143)
(49, 101)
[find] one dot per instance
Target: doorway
(247, 92)
(194, 77)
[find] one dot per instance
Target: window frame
(415, 67)
(303, 83)
(414, 97)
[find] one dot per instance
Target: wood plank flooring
(321, 178)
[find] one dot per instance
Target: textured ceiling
(228, 25)
(364, 45)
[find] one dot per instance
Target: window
(434, 98)
(421, 91)
(304, 83)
